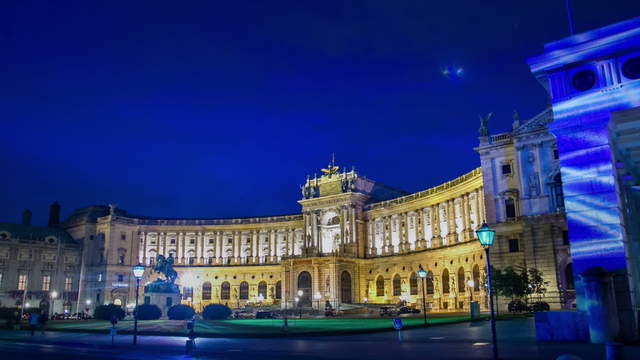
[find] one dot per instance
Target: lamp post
(138, 272)
(423, 275)
(485, 236)
(317, 297)
(300, 293)
(471, 284)
(53, 295)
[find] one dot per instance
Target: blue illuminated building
(593, 79)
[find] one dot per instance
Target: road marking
(436, 338)
(480, 344)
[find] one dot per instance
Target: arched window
(413, 284)
(262, 289)
(476, 278)
(429, 283)
(225, 291)
(279, 289)
(206, 291)
(380, 286)
(568, 275)
(397, 286)
(445, 281)
(461, 283)
(244, 290)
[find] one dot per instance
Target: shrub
(7, 313)
(180, 312)
(105, 312)
(149, 312)
(216, 312)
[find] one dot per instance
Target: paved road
(456, 341)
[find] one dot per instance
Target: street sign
(397, 324)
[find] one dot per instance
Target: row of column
(219, 247)
(429, 220)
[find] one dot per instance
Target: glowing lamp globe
(138, 271)
(485, 235)
(422, 273)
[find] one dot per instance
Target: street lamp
(486, 235)
(317, 297)
(138, 272)
(53, 294)
(423, 274)
(471, 284)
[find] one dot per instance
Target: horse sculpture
(165, 266)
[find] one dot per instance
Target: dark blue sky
(221, 109)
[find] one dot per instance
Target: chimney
(54, 214)
(26, 217)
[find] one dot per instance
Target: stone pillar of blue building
(591, 76)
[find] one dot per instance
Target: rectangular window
(506, 169)
(514, 245)
(556, 155)
(22, 282)
(210, 241)
(123, 236)
(565, 237)
(68, 284)
(510, 208)
(46, 282)
(173, 241)
(120, 278)
(192, 241)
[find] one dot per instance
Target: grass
(254, 327)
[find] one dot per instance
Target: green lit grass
(254, 327)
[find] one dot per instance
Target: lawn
(261, 327)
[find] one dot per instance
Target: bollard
(615, 351)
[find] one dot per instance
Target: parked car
(388, 311)
(408, 310)
(517, 306)
(264, 315)
(538, 306)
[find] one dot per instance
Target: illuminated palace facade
(355, 241)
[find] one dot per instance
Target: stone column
(403, 229)
(436, 239)
(144, 247)
(219, 247)
(386, 231)
(371, 237)
(451, 222)
(165, 246)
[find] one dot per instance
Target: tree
(518, 283)
(180, 312)
(105, 312)
(216, 312)
(148, 312)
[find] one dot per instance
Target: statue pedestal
(163, 294)
(164, 301)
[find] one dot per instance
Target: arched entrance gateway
(304, 284)
(345, 287)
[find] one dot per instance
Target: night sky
(221, 108)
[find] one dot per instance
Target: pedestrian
(42, 319)
(33, 322)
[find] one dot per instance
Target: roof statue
(484, 123)
(331, 168)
